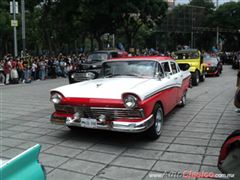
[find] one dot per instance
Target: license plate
(88, 122)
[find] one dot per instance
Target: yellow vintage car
(194, 59)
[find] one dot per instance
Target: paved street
(191, 138)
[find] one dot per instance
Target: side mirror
(229, 157)
(168, 74)
(184, 67)
(158, 75)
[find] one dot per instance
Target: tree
(207, 4)
(6, 36)
(227, 17)
(132, 15)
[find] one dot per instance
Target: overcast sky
(219, 1)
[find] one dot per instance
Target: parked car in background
(23, 166)
(213, 65)
(131, 95)
(194, 59)
(90, 68)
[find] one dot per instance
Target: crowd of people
(25, 70)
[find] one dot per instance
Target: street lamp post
(192, 36)
(15, 30)
(217, 35)
(23, 27)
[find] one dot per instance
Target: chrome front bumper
(117, 125)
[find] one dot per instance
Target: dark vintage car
(213, 65)
(90, 68)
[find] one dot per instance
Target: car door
(171, 85)
(177, 80)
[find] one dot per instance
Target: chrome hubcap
(158, 123)
(197, 78)
(184, 99)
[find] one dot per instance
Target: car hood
(108, 88)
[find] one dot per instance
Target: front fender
(192, 69)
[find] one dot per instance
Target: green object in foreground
(23, 166)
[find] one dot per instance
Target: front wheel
(195, 78)
(155, 131)
(203, 77)
(183, 101)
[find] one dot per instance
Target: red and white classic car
(131, 95)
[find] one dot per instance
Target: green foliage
(132, 15)
(227, 17)
(6, 30)
(67, 25)
(208, 4)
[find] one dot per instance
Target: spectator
(14, 75)
(27, 72)
(20, 70)
(2, 77)
(7, 69)
(34, 70)
(62, 65)
(42, 70)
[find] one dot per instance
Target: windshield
(97, 57)
(129, 68)
(186, 55)
(210, 60)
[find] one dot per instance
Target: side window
(174, 68)
(178, 68)
(166, 67)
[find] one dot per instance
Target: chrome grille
(95, 112)
(80, 77)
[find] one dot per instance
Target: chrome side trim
(161, 89)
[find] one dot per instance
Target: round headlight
(72, 76)
(130, 101)
(56, 98)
